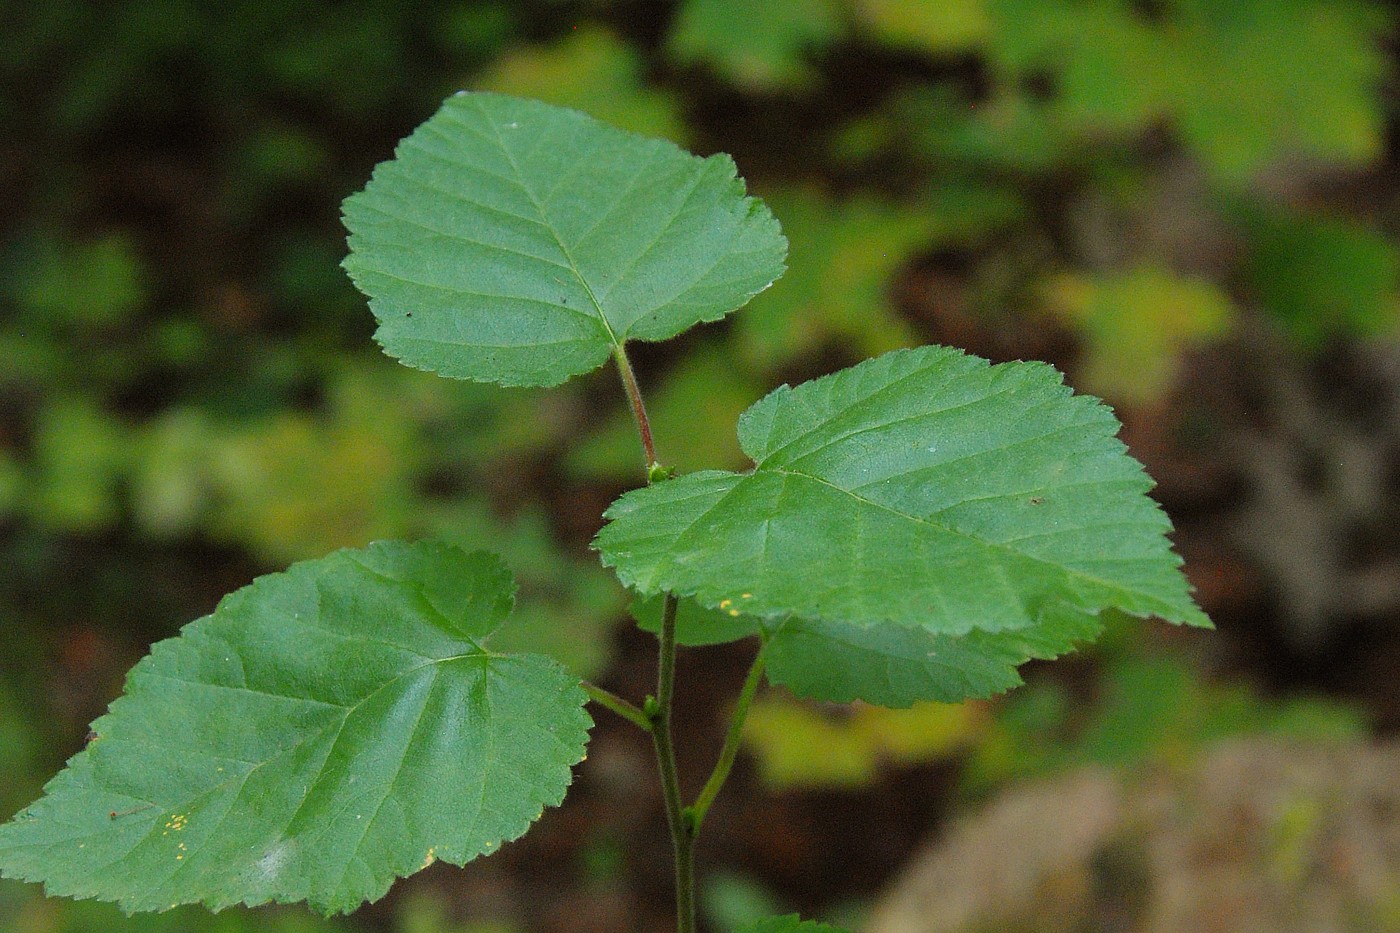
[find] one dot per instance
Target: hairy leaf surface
(923, 488)
(886, 664)
(324, 731)
(515, 242)
(899, 665)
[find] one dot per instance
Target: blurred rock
(1257, 835)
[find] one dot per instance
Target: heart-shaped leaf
(515, 242)
(324, 731)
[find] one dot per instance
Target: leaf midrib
(524, 186)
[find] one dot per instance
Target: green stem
(696, 813)
(682, 839)
(617, 704)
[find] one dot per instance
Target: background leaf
(923, 488)
(798, 745)
(1242, 100)
(594, 71)
(950, 27)
(757, 47)
(1227, 78)
(324, 731)
(1136, 325)
(836, 291)
(1323, 277)
(515, 242)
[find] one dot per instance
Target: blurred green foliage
(1152, 708)
(187, 379)
(756, 47)
(1136, 325)
(594, 71)
(798, 745)
(1319, 275)
(841, 261)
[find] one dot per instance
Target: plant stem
(682, 838)
(696, 813)
(639, 410)
(677, 819)
(617, 704)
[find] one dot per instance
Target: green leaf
(950, 27)
(566, 606)
(1226, 76)
(1323, 277)
(899, 665)
(594, 71)
(757, 47)
(324, 731)
(1137, 324)
(789, 924)
(514, 242)
(888, 665)
(802, 745)
(695, 625)
(922, 488)
(837, 290)
(1241, 99)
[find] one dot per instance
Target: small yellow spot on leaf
(746, 596)
(725, 603)
(430, 858)
(734, 612)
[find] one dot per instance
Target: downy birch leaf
(923, 488)
(899, 665)
(515, 242)
(887, 665)
(324, 731)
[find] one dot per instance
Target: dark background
(1190, 206)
